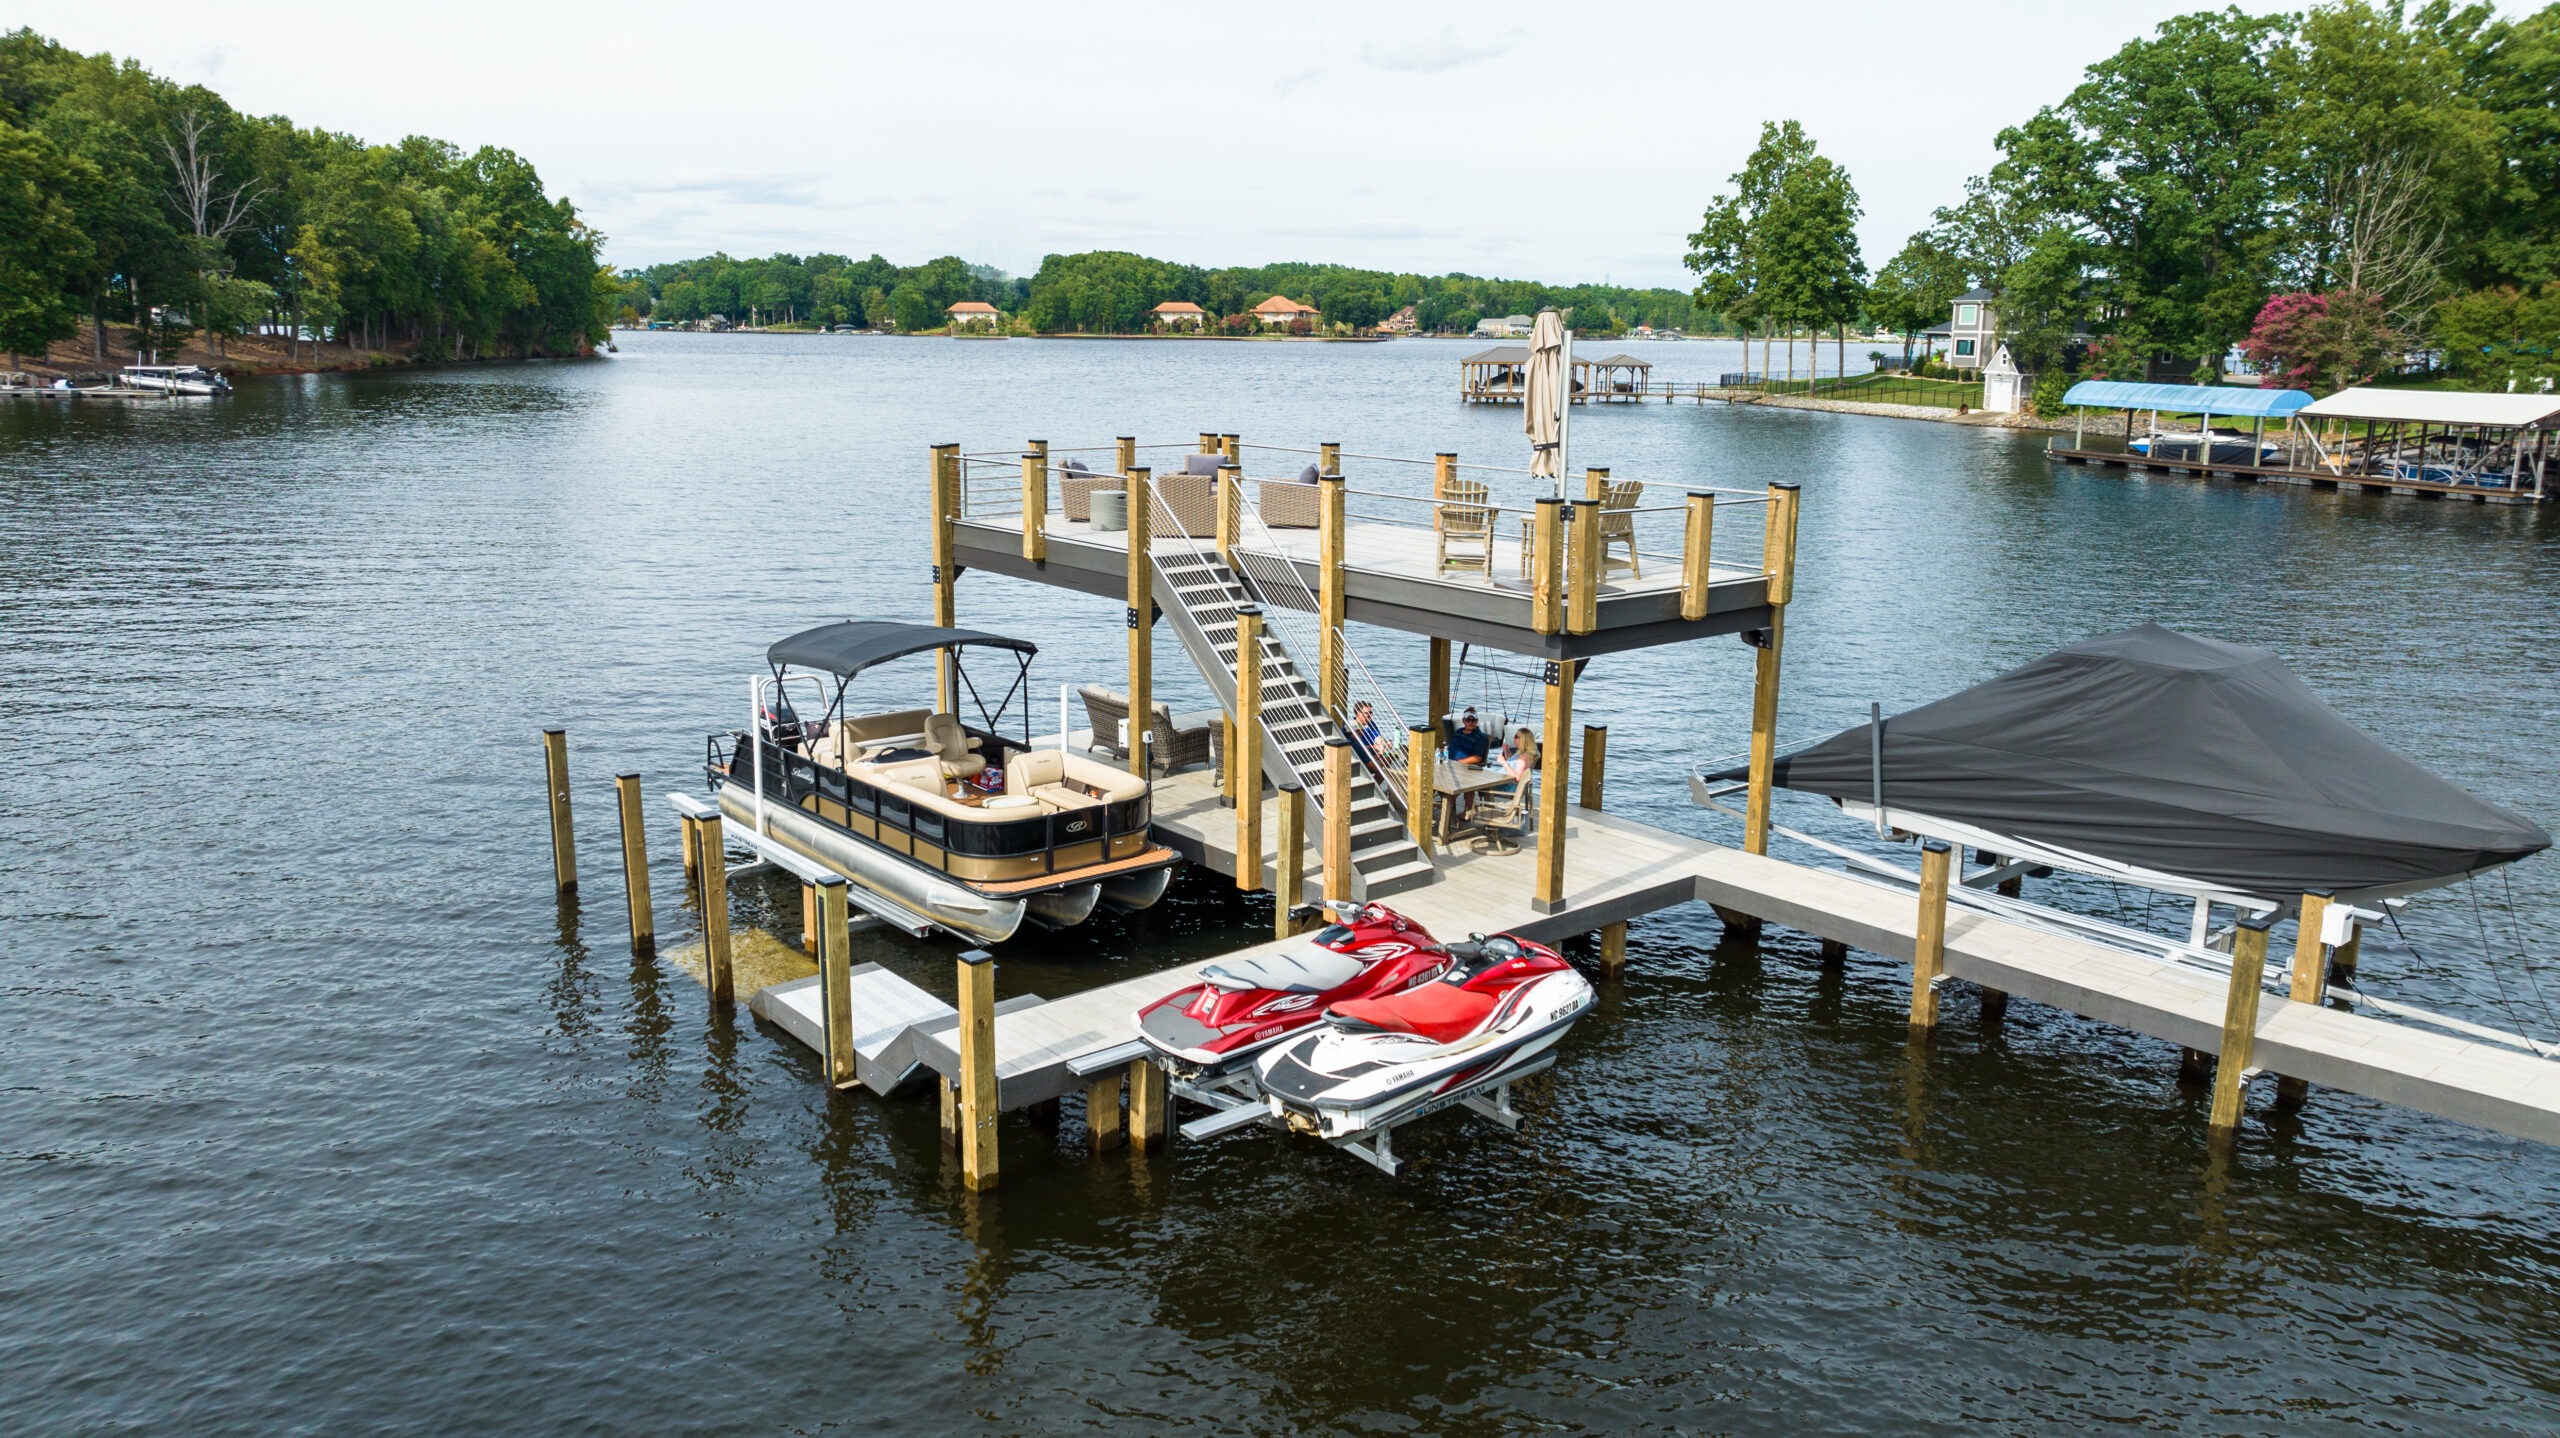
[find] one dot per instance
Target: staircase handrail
(1273, 577)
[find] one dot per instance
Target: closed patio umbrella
(1550, 364)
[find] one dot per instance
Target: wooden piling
(1444, 468)
(1582, 566)
(2309, 982)
(635, 862)
(1150, 1107)
(1699, 527)
(1142, 614)
(713, 863)
(564, 843)
(835, 977)
(1104, 1127)
(1127, 459)
(1035, 503)
(946, 566)
(1929, 945)
(1595, 764)
(1555, 758)
(1233, 446)
(1244, 760)
(1209, 441)
(1337, 819)
(1779, 562)
(978, 1069)
(1331, 577)
(1438, 704)
(2239, 1023)
(1289, 864)
(1329, 457)
(1546, 607)
(689, 843)
(809, 920)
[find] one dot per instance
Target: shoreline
(244, 357)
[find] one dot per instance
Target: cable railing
(1293, 611)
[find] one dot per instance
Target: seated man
(1467, 747)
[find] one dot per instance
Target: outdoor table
(1453, 782)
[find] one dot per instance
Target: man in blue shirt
(1468, 745)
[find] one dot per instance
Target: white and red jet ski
(1493, 1016)
(1214, 1028)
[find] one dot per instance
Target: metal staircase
(1199, 594)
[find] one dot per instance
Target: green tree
(2503, 336)
(1917, 289)
(44, 255)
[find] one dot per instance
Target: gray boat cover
(2185, 756)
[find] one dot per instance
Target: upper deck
(1423, 551)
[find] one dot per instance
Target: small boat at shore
(173, 379)
(954, 823)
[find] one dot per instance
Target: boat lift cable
(2489, 951)
(2504, 1002)
(2524, 961)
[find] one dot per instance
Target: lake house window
(1968, 316)
(1964, 347)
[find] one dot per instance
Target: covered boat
(954, 823)
(2182, 764)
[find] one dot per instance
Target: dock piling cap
(2259, 923)
(969, 956)
(831, 881)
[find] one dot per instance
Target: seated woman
(1520, 761)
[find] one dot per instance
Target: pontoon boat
(955, 824)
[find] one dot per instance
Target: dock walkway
(2287, 474)
(1618, 869)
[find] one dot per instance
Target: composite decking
(1617, 869)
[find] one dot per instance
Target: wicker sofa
(1076, 485)
(1291, 503)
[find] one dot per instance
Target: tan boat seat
(956, 748)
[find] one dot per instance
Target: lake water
(318, 1114)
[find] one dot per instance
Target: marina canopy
(1500, 354)
(2177, 756)
(847, 648)
(2436, 406)
(2188, 398)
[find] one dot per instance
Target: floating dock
(2288, 474)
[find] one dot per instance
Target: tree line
(1112, 292)
(2326, 191)
(127, 199)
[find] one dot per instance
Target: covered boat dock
(2434, 444)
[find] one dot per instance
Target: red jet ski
(1211, 1029)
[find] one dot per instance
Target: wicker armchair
(1618, 525)
(1076, 485)
(1463, 523)
(1185, 503)
(1291, 503)
(1169, 748)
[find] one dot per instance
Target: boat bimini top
(848, 647)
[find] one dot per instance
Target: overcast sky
(1563, 142)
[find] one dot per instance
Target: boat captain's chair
(954, 746)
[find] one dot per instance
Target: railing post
(1209, 441)
(835, 977)
(2239, 1023)
(2309, 981)
(1329, 603)
(1128, 458)
(1779, 563)
(1035, 503)
(1555, 757)
(1230, 511)
(1142, 614)
(1929, 942)
(1595, 483)
(1699, 527)
(978, 1069)
(1337, 819)
(635, 863)
(946, 567)
(1422, 800)
(713, 862)
(1329, 457)
(1444, 468)
(1244, 761)
(1234, 447)
(555, 778)
(1546, 612)
(1582, 566)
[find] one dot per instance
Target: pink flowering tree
(2320, 342)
